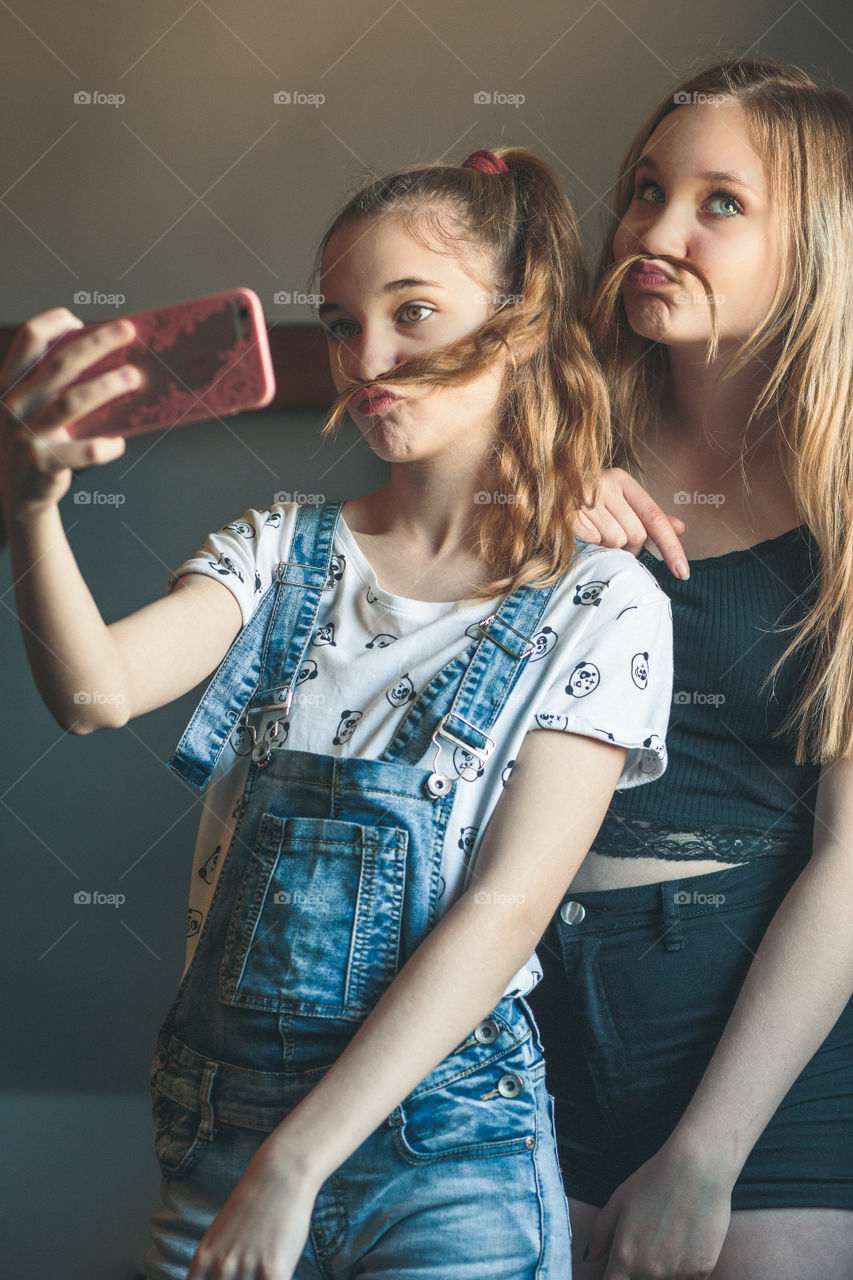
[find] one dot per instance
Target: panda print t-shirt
(601, 667)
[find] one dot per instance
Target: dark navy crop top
(731, 791)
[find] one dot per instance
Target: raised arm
(528, 857)
(623, 514)
(90, 675)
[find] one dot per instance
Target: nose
(371, 352)
(661, 230)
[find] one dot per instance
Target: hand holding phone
(201, 359)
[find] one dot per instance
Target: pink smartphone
(206, 358)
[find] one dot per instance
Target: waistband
(602, 910)
(261, 1099)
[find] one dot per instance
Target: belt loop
(671, 898)
(207, 1127)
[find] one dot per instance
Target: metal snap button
(486, 1032)
(261, 753)
(572, 912)
(437, 784)
(510, 1085)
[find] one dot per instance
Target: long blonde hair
(553, 434)
(804, 135)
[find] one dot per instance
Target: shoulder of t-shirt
(612, 574)
(243, 553)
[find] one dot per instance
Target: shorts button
(572, 912)
(510, 1085)
(437, 784)
(486, 1032)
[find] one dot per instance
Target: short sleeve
(243, 554)
(615, 674)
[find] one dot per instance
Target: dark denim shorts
(635, 996)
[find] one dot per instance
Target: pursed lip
(650, 269)
(373, 399)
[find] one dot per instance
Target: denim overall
(330, 884)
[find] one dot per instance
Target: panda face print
(640, 670)
(336, 570)
(467, 840)
(657, 745)
(241, 527)
(583, 680)
(207, 870)
(225, 566)
(466, 764)
(543, 643)
(370, 596)
(507, 770)
(274, 519)
(346, 726)
(241, 738)
(402, 692)
(551, 720)
(589, 592)
(381, 641)
(324, 635)
(194, 919)
(308, 671)
(276, 732)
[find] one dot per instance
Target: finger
(601, 1233)
(586, 529)
(611, 531)
(31, 341)
(57, 368)
(658, 525)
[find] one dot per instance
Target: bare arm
(90, 675)
(456, 976)
(797, 985)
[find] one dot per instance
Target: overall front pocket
(316, 925)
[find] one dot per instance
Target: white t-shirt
(602, 668)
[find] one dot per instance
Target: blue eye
(336, 324)
(643, 186)
(726, 197)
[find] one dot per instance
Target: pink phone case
(206, 358)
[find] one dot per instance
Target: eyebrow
(393, 286)
(709, 175)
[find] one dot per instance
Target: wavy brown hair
(553, 432)
(804, 135)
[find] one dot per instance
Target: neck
(420, 504)
(699, 405)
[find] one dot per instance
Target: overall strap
(260, 668)
(462, 711)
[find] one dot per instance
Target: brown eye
(410, 310)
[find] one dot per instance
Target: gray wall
(197, 181)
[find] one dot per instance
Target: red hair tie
(486, 162)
